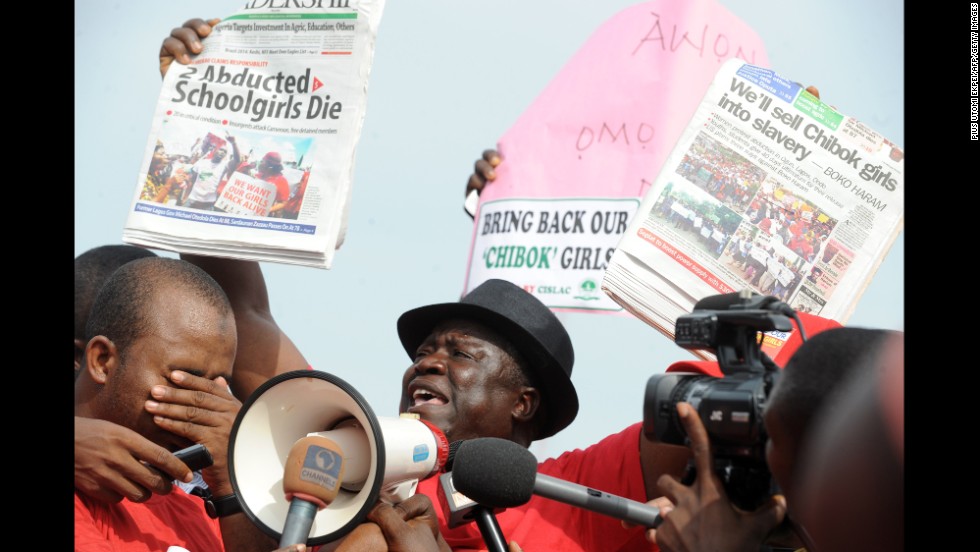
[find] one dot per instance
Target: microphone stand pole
(490, 529)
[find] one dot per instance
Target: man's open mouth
(423, 396)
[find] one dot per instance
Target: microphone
(314, 470)
(461, 509)
(500, 473)
(322, 464)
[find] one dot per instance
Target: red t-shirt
(612, 465)
(175, 519)
(805, 250)
(765, 224)
(282, 186)
(292, 206)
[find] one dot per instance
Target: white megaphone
(382, 457)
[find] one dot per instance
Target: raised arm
(659, 459)
(236, 157)
(263, 349)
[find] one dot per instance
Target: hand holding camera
(729, 407)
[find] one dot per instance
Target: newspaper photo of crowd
(767, 234)
(268, 175)
(763, 263)
(697, 217)
(720, 171)
(795, 221)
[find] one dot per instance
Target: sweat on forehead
(462, 327)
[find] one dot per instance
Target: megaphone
(383, 458)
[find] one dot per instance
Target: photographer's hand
(703, 518)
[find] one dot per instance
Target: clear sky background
(449, 77)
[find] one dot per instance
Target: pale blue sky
(433, 106)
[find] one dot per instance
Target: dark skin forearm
(236, 158)
(263, 349)
(241, 535)
(658, 459)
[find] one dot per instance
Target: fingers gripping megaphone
(307, 438)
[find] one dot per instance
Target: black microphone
(501, 473)
(461, 509)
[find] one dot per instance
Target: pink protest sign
(578, 160)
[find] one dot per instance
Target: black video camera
(730, 407)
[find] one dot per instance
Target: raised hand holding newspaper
(768, 189)
(251, 151)
(578, 160)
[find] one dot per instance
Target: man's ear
(526, 405)
(101, 358)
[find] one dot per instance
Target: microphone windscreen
(451, 457)
(495, 472)
(314, 470)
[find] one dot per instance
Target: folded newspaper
(768, 189)
(251, 151)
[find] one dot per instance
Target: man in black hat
(498, 363)
(483, 364)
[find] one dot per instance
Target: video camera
(730, 407)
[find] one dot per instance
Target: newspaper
(581, 156)
(768, 189)
(251, 150)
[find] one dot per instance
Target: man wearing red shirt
(269, 170)
(161, 343)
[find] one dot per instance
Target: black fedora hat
(528, 324)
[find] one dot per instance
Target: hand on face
(201, 411)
